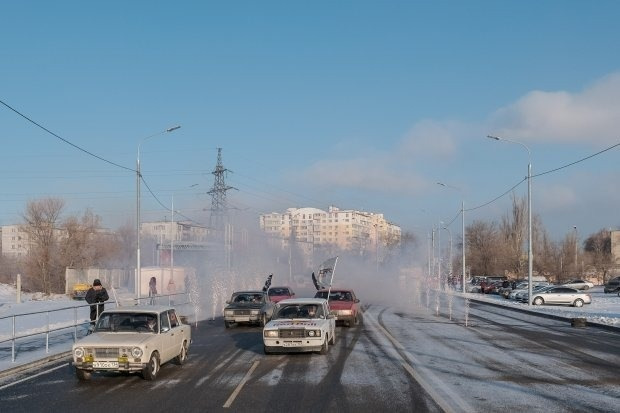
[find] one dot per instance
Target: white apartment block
(14, 241)
(347, 229)
(165, 231)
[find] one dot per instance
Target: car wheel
(578, 302)
(538, 301)
(263, 320)
(152, 368)
(182, 357)
(227, 324)
(266, 350)
(586, 287)
(325, 346)
(332, 341)
(83, 375)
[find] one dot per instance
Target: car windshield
(291, 311)
(335, 295)
(127, 322)
(247, 298)
(278, 291)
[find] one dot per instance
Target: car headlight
(345, 312)
(271, 333)
(314, 333)
(78, 352)
(254, 312)
(229, 312)
(136, 352)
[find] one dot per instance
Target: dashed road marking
(234, 394)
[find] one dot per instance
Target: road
(407, 359)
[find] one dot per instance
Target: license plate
(242, 319)
(105, 364)
(291, 343)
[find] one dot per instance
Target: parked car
(300, 325)
(248, 307)
(561, 295)
(493, 287)
(343, 304)
(579, 284)
(522, 287)
(132, 339)
(79, 290)
(612, 286)
(523, 294)
(280, 293)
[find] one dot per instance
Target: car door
(167, 337)
(553, 296)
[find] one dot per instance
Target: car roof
(303, 301)
(334, 290)
(140, 309)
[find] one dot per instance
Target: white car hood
(295, 323)
(115, 339)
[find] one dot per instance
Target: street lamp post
(138, 178)
(530, 256)
(463, 233)
(575, 228)
(450, 252)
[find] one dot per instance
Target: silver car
(561, 295)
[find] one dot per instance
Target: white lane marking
(235, 393)
(33, 376)
(219, 366)
(411, 361)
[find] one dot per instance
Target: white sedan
(579, 284)
(300, 325)
(132, 339)
(561, 295)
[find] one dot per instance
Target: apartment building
(347, 229)
(14, 241)
(164, 231)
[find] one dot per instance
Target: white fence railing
(35, 330)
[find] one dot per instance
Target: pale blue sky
(359, 104)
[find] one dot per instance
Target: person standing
(152, 289)
(96, 296)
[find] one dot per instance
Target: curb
(34, 364)
(569, 320)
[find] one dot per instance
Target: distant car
(248, 307)
(522, 287)
(612, 286)
(578, 284)
(343, 304)
(561, 295)
(300, 325)
(132, 339)
(280, 293)
(79, 290)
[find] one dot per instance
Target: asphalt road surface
(414, 359)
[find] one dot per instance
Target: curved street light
(138, 178)
(530, 256)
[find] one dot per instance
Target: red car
(343, 304)
(280, 293)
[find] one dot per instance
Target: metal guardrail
(170, 299)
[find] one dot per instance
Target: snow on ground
(605, 309)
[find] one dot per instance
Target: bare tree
(512, 231)
(598, 252)
(40, 224)
(482, 243)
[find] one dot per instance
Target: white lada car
(132, 339)
(299, 325)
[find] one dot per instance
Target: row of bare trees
(55, 243)
(500, 248)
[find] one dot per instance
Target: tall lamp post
(463, 232)
(138, 178)
(450, 253)
(530, 256)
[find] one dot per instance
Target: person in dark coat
(95, 295)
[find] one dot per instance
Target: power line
(64, 140)
(541, 174)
